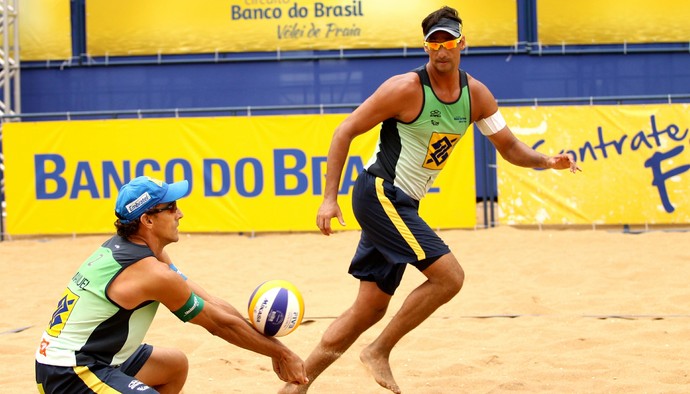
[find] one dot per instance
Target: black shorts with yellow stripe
(95, 378)
(393, 234)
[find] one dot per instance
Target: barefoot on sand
(597, 316)
(380, 368)
(291, 388)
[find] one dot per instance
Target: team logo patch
(440, 147)
(62, 312)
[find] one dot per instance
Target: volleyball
(276, 308)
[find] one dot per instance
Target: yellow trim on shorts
(93, 382)
(397, 221)
(40, 388)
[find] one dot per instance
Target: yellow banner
(612, 21)
(635, 161)
(134, 27)
(45, 31)
(246, 173)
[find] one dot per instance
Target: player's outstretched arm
(208, 297)
(150, 279)
(287, 365)
(518, 153)
(487, 117)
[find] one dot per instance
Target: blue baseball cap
(143, 193)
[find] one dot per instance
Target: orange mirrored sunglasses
(435, 46)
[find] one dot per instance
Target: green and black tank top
(87, 327)
(411, 155)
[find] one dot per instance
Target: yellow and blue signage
(132, 27)
(245, 173)
(635, 161)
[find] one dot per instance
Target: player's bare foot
(380, 368)
(290, 388)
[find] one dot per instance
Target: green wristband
(191, 308)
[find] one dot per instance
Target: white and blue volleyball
(276, 308)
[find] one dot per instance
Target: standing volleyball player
(93, 342)
(424, 114)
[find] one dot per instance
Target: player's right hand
(327, 211)
(290, 369)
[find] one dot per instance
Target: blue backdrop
(346, 81)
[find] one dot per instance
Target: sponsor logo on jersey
(62, 312)
(440, 147)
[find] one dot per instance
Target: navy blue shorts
(99, 378)
(393, 234)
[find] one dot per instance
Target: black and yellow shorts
(95, 378)
(393, 234)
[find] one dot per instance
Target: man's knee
(457, 280)
(177, 369)
(371, 303)
(167, 367)
(181, 362)
(447, 273)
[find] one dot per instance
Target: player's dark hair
(436, 16)
(125, 230)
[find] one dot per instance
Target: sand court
(540, 311)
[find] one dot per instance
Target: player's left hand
(563, 161)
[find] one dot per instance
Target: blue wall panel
(347, 81)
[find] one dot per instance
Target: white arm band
(491, 125)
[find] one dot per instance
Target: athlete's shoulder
(401, 84)
(410, 77)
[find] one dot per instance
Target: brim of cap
(175, 191)
(454, 33)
